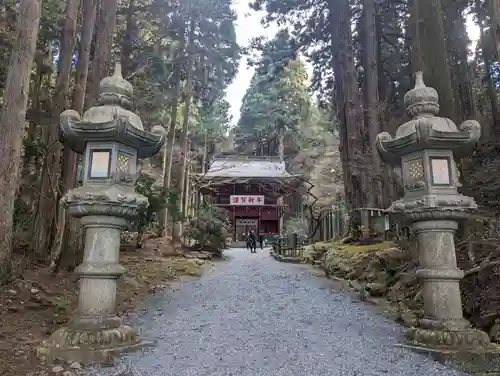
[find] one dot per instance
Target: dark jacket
(251, 238)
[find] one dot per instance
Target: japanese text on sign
(247, 200)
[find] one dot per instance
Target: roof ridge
(249, 157)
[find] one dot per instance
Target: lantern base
(448, 339)
(480, 361)
(89, 346)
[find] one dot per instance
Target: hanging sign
(246, 222)
(247, 200)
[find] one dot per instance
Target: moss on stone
(315, 252)
(63, 303)
(353, 250)
(183, 266)
(382, 266)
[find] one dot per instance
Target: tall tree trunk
(339, 99)
(494, 6)
(30, 168)
(371, 102)
(12, 122)
(493, 131)
(457, 49)
(71, 240)
(432, 57)
(174, 110)
(82, 68)
(105, 29)
(171, 141)
(199, 196)
(129, 36)
(69, 157)
(47, 211)
(187, 192)
(490, 86)
(384, 113)
(185, 126)
(281, 143)
(347, 98)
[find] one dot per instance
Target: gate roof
(234, 166)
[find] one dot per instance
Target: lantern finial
(118, 70)
(115, 90)
(421, 101)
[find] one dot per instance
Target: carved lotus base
(89, 346)
(442, 339)
(114, 200)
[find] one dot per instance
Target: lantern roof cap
(116, 84)
(421, 100)
(111, 120)
(426, 130)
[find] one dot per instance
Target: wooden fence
(331, 225)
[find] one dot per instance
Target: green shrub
(159, 199)
(210, 229)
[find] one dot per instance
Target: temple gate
(251, 189)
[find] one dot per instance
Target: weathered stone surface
(460, 340)
(84, 346)
(495, 331)
(57, 369)
(409, 319)
(376, 289)
(476, 362)
(75, 365)
(355, 285)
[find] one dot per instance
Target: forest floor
(34, 306)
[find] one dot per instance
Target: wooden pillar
(233, 220)
(328, 236)
(234, 214)
(281, 212)
(329, 216)
(259, 220)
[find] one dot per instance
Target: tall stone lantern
(425, 149)
(112, 139)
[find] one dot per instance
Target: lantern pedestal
(99, 273)
(95, 333)
(482, 361)
(439, 275)
(90, 346)
(443, 324)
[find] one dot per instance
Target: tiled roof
(247, 167)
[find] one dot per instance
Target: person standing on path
(261, 241)
(252, 242)
(246, 239)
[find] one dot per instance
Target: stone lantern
(425, 149)
(112, 139)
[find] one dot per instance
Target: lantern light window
(440, 171)
(123, 162)
(100, 163)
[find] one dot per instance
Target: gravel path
(254, 316)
